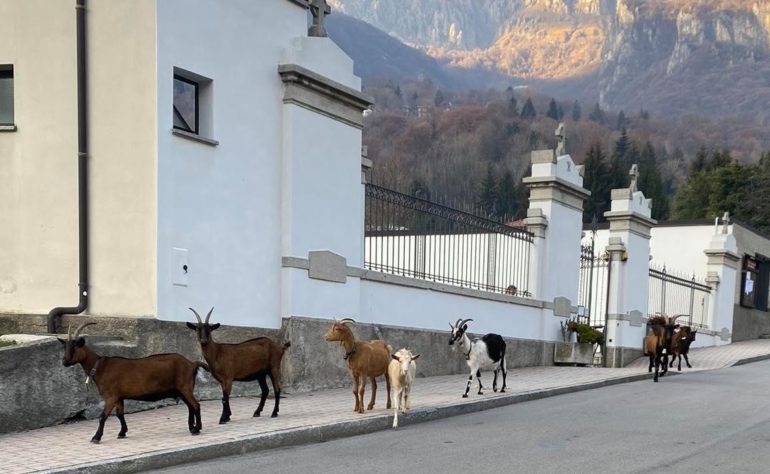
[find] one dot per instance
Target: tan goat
(401, 372)
(365, 359)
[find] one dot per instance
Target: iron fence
(417, 238)
(594, 280)
(673, 293)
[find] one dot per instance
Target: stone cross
(634, 173)
(319, 9)
(561, 140)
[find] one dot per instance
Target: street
(713, 421)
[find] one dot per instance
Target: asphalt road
(717, 421)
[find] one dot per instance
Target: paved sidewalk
(159, 438)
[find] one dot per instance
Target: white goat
(482, 354)
(401, 372)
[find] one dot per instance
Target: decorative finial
(634, 173)
(725, 221)
(319, 9)
(561, 140)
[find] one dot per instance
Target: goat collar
(468, 355)
(348, 355)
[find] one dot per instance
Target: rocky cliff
(671, 56)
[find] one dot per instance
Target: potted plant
(578, 346)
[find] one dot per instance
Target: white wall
(222, 203)
(385, 303)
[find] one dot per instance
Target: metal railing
(413, 237)
(672, 293)
(594, 280)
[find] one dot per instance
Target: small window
(6, 95)
(186, 105)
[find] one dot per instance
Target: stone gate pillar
(629, 249)
(722, 270)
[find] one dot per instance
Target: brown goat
(680, 346)
(658, 342)
(147, 379)
(255, 359)
(365, 359)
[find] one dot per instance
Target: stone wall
(36, 390)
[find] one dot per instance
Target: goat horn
(69, 332)
(457, 323)
(347, 320)
(675, 317)
(465, 321)
(197, 316)
(80, 328)
(450, 325)
(209, 315)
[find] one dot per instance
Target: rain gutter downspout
(56, 313)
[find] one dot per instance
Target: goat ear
(63, 341)
(416, 357)
(192, 326)
(81, 342)
(395, 357)
(465, 327)
(215, 326)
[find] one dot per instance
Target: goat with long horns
(255, 359)
(147, 379)
(481, 354)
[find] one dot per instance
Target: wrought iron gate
(593, 289)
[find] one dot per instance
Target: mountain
(672, 57)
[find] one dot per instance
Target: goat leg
(108, 405)
(361, 393)
(357, 407)
(374, 394)
(686, 361)
(262, 379)
(227, 387)
(478, 379)
(494, 381)
(505, 373)
(119, 411)
(277, 391)
(396, 394)
(192, 404)
(468, 385)
(388, 388)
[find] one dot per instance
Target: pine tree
(438, 100)
(488, 194)
(595, 179)
(597, 115)
(651, 183)
(553, 111)
(577, 113)
(513, 107)
(622, 121)
(508, 205)
(620, 162)
(528, 111)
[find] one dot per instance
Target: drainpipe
(56, 313)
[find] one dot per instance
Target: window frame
(7, 70)
(196, 85)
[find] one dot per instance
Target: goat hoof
(121, 435)
(195, 432)
(494, 390)
(274, 415)
(95, 440)
(465, 395)
(256, 414)
(502, 390)
(223, 422)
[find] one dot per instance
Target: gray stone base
(621, 356)
(36, 390)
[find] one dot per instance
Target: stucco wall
(38, 198)
(222, 203)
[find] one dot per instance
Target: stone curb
(327, 432)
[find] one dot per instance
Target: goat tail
(286, 345)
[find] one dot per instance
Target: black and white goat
(487, 353)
